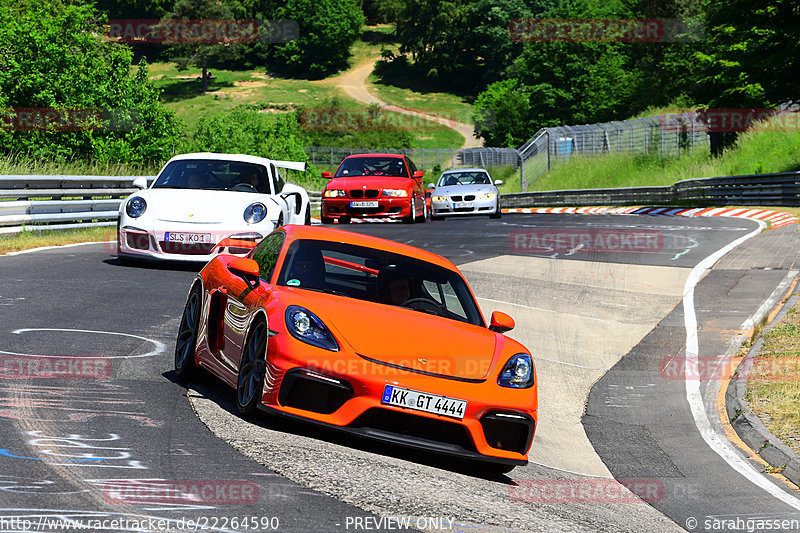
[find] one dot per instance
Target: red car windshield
(372, 166)
(378, 276)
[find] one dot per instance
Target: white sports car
(465, 191)
(204, 204)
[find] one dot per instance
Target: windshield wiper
(326, 291)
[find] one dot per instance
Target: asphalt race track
(93, 419)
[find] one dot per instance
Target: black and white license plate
(423, 401)
(373, 203)
(462, 205)
(188, 238)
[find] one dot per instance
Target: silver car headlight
(255, 213)
(136, 207)
(439, 198)
(487, 196)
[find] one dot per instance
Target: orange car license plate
(423, 401)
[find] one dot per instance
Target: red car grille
(186, 249)
(364, 193)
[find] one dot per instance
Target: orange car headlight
(305, 326)
(517, 373)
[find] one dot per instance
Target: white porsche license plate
(188, 238)
(462, 205)
(423, 401)
(373, 203)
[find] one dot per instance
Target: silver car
(465, 191)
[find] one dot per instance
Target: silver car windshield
(464, 178)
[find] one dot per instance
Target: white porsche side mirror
(140, 182)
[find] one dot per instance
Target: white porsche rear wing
(291, 165)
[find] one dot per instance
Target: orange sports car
(364, 335)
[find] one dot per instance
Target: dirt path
(354, 83)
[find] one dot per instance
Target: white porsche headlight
(136, 207)
(255, 213)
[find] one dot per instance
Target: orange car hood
(410, 338)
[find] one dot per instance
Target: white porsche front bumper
(172, 241)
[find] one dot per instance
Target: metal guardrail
(65, 202)
(780, 189)
(36, 202)
(62, 202)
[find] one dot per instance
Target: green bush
(246, 131)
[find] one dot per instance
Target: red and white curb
(776, 219)
(316, 221)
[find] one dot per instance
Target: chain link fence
(424, 158)
(663, 136)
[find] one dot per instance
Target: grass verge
(37, 239)
(756, 152)
(773, 388)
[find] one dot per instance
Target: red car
(374, 185)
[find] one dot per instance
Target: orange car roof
(294, 232)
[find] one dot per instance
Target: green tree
(753, 57)
(327, 29)
(501, 114)
(199, 52)
(52, 59)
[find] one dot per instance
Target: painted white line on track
(717, 442)
(532, 308)
(158, 346)
(569, 471)
(20, 252)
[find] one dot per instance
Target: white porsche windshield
(214, 175)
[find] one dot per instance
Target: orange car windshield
(378, 276)
(372, 166)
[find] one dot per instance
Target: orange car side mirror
(501, 322)
(418, 174)
(327, 175)
(247, 269)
